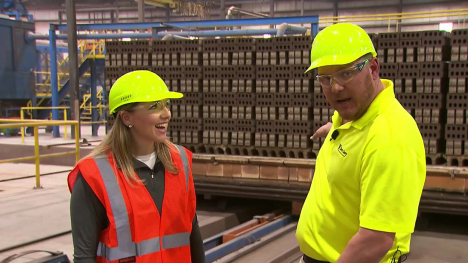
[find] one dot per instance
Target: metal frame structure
(156, 33)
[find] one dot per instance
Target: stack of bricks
(284, 98)
(184, 74)
(228, 97)
(245, 96)
(322, 111)
(416, 63)
(123, 57)
(456, 130)
(432, 87)
(243, 89)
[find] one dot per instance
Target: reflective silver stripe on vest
(126, 247)
(176, 240)
(184, 159)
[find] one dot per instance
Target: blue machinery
(216, 249)
(189, 28)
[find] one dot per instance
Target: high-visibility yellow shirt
(371, 176)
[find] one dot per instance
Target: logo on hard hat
(126, 97)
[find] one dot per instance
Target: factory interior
(249, 109)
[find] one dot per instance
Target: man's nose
(336, 87)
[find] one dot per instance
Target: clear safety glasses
(343, 76)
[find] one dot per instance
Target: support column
(73, 65)
(335, 9)
(272, 11)
(222, 10)
(141, 11)
(400, 10)
(39, 68)
(94, 110)
(117, 16)
(168, 13)
(53, 78)
(302, 7)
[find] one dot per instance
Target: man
(369, 174)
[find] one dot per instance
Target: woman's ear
(126, 117)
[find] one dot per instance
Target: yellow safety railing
(89, 109)
(36, 124)
(65, 109)
(96, 50)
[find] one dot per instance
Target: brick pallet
(251, 97)
(417, 64)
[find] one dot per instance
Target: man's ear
(374, 66)
(126, 117)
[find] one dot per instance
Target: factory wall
(17, 60)
(289, 8)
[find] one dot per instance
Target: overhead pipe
(236, 9)
(284, 27)
(174, 37)
(208, 33)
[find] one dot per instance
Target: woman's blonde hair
(119, 141)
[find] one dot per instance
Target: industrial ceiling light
(446, 26)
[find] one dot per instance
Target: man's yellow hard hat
(340, 44)
(139, 86)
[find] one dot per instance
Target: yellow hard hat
(340, 44)
(139, 86)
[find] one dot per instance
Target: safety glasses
(158, 105)
(343, 76)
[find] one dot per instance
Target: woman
(133, 198)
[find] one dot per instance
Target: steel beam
(73, 65)
(94, 110)
(222, 9)
(246, 22)
(246, 239)
(240, 32)
(54, 80)
(217, 240)
(141, 10)
(168, 13)
(272, 11)
(111, 26)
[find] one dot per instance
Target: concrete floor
(27, 214)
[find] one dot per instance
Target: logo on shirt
(127, 260)
(342, 151)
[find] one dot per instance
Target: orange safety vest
(137, 232)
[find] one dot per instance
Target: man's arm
(391, 186)
(322, 131)
(368, 246)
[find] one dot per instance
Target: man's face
(352, 87)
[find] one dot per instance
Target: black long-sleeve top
(89, 218)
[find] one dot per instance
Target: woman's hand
(322, 131)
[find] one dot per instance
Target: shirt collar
(382, 100)
(137, 164)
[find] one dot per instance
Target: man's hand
(367, 246)
(322, 131)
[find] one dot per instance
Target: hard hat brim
(173, 95)
(336, 60)
(164, 96)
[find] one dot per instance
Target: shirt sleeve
(88, 219)
(392, 179)
(197, 250)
